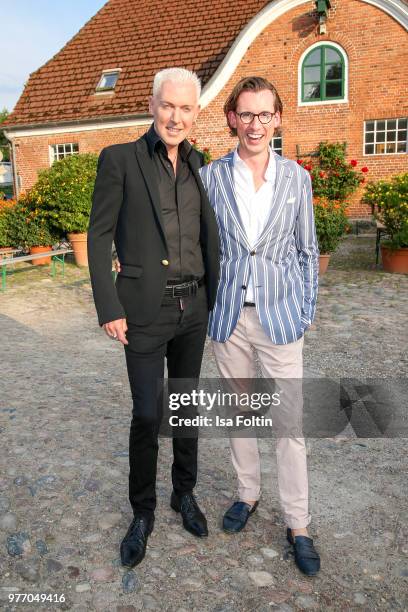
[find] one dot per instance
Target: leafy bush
(6, 206)
(27, 227)
(389, 200)
(64, 192)
(331, 223)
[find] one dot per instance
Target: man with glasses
(267, 293)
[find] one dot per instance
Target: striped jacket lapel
(283, 178)
(225, 180)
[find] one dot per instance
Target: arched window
(323, 74)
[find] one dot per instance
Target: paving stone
(130, 582)
(150, 602)
(102, 574)
(28, 570)
(109, 520)
(18, 544)
(253, 560)
(42, 547)
(8, 522)
(305, 602)
(360, 599)
(269, 553)
(4, 504)
(103, 600)
(53, 566)
(261, 579)
(192, 584)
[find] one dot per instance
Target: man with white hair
(149, 200)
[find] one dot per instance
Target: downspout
(16, 187)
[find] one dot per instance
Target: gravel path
(64, 419)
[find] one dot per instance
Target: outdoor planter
(395, 260)
(324, 259)
(41, 261)
(79, 246)
(388, 200)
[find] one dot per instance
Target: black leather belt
(183, 289)
(249, 304)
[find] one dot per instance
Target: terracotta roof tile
(140, 37)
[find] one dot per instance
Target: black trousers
(178, 334)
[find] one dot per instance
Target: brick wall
(377, 50)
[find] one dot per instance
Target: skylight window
(108, 80)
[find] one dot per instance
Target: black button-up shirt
(180, 202)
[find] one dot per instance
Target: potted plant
(64, 194)
(331, 224)
(389, 200)
(334, 179)
(30, 230)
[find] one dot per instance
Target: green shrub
(6, 207)
(27, 227)
(331, 223)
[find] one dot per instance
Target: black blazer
(126, 209)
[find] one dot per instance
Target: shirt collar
(270, 170)
(153, 140)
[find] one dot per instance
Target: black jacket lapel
(146, 167)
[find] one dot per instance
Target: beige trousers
(235, 359)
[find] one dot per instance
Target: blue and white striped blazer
(283, 262)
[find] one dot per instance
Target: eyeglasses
(247, 117)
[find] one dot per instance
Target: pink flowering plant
(333, 177)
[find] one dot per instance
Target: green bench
(57, 256)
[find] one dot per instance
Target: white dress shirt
(254, 206)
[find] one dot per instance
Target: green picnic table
(57, 256)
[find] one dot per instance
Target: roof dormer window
(108, 80)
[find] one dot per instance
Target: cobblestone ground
(64, 419)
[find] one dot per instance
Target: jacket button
(252, 252)
(165, 262)
(243, 287)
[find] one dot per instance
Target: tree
(3, 141)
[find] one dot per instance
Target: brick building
(341, 73)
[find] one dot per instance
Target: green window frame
(319, 61)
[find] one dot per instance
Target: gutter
(16, 188)
(76, 125)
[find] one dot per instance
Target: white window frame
(374, 143)
(68, 151)
(280, 137)
(99, 90)
(346, 73)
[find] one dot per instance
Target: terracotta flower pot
(4, 251)
(395, 261)
(79, 246)
(323, 262)
(41, 261)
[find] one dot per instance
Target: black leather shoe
(194, 520)
(237, 516)
(133, 546)
(306, 556)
